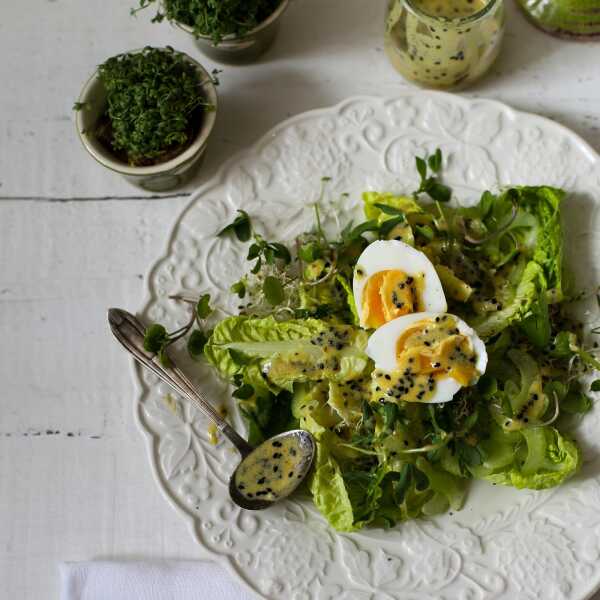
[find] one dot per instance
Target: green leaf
(389, 224)
(281, 252)
(239, 358)
(238, 288)
(254, 251)
(576, 402)
(438, 191)
(257, 266)
(435, 161)
(595, 385)
(426, 231)
(390, 415)
(329, 490)
(273, 290)
(389, 209)
(374, 200)
(154, 338)
(421, 167)
(203, 308)
(241, 226)
(402, 485)
(164, 359)
(550, 459)
(244, 392)
(564, 345)
(362, 228)
(196, 343)
(310, 252)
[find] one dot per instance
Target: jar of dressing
(574, 19)
(443, 43)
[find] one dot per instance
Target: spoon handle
(129, 331)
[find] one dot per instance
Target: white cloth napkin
(137, 580)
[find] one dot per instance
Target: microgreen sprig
(430, 184)
(157, 340)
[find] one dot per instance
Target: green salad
(474, 297)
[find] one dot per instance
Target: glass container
(443, 43)
(566, 18)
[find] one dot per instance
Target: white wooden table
(75, 482)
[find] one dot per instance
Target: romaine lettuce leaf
(524, 304)
(404, 203)
(329, 492)
(547, 461)
(279, 353)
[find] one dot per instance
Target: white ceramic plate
(504, 543)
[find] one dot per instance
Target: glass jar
(443, 43)
(565, 18)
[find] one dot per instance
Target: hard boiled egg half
(392, 279)
(424, 357)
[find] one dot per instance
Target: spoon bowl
(272, 470)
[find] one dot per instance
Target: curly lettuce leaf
(547, 460)
(279, 353)
(329, 492)
(524, 304)
(405, 204)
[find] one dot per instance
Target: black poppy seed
(277, 444)
(277, 455)
(261, 480)
(275, 469)
(388, 377)
(381, 400)
(241, 486)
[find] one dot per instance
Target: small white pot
(244, 49)
(160, 177)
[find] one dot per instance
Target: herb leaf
(154, 338)
(388, 209)
(244, 392)
(435, 161)
(203, 308)
(421, 167)
(241, 226)
(595, 386)
(273, 290)
(357, 232)
(196, 343)
(239, 288)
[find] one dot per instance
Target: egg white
(381, 348)
(383, 255)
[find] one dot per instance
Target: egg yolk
(426, 352)
(390, 294)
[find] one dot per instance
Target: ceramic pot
(162, 176)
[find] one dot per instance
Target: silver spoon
(129, 331)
